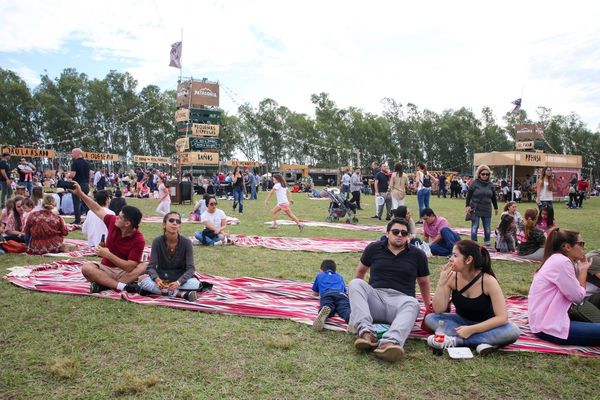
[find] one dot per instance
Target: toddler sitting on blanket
(334, 297)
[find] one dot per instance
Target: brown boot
(389, 351)
(366, 341)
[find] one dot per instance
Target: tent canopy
(521, 158)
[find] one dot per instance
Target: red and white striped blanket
(369, 228)
(85, 250)
(257, 297)
(331, 245)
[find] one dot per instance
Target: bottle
(438, 339)
(102, 242)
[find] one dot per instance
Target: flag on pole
(517, 108)
(176, 55)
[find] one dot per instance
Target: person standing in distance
(80, 173)
(5, 179)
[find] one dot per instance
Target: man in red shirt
(582, 187)
(122, 257)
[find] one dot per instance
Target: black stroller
(340, 208)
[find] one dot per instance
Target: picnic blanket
(258, 297)
(369, 228)
(333, 245)
(85, 250)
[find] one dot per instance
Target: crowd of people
(564, 298)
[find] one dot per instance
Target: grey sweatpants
(382, 305)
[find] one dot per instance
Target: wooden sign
(196, 143)
(245, 164)
(151, 159)
(100, 156)
(197, 94)
(205, 130)
(527, 132)
(27, 152)
(199, 158)
(531, 159)
(182, 115)
(524, 145)
(182, 144)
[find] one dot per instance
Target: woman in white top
(424, 182)
(545, 187)
(398, 186)
(215, 222)
(164, 207)
(93, 227)
(283, 202)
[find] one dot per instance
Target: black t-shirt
(4, 166)
(383, 181)
(82, 171)
(239, 182)
(398, 272)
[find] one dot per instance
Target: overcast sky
(436, 54)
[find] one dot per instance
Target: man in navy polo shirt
(80, 173)
(389, 297)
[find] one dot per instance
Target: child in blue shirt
(332, 289)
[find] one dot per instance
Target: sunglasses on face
(174, 221)
(581, 243)
(397, 232)
(212, 204)
(484, 174)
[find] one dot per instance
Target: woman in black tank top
(481, 320)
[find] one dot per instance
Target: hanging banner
(197, 94)
(182, 115)
(245, 164)
(100, 156)
(27, 152)
(199, 158)
(151, 159)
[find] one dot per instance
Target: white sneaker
(484, 349)
(321, 318)
(449, 341)
(218, 243)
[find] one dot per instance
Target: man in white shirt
(93, 227)
(100, 179)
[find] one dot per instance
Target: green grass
(56, 346)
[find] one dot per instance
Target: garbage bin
(185, 189)
(174, 191)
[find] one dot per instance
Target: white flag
(175, 55)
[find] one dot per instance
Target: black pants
(85, 188)
(356, 198)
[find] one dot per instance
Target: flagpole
(181, 58)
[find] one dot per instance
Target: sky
(436, 54)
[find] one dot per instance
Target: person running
(283, 202)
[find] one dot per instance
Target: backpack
(426, 181)
(13, 247)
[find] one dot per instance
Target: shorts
(115, 273)
(284, 206)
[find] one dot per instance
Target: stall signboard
(27, 152)
(182, 115)
(197, 94)
(151, 159)
(529, 131)
(245, 164)
(196, 143)
(199, 158)
(100, 156)
(205, 130)
(525, 145)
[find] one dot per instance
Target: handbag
(584, 312)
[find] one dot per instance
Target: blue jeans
(500, 336)
(338, 302)
(238, 198)
(150, 286)
(444, 246)
(423, 196)
(253, 193)
(580, 334)
(487, 230)
(6, 193)
(205, 239)
(27, 185)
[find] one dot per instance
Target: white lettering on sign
(204, 92)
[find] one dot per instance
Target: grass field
(55, 346)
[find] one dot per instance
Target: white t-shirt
(93, 227)
(545, 194)
(214, 218)
(161, 192)
(281, 193)
(97, 177)
(346, 179)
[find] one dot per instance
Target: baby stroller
(340, 208)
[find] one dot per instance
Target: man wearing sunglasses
(389, 296)
(122, 257)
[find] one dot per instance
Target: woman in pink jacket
(558, 283)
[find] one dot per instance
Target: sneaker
(218, 243)
(273, 226)
(301, 226)
(389, 352)
(132, 288)
(374, 216)
(484, 349)
(191, 295)
(387, 218)
(366, 341)
(321, 318)
(449, 341)
(97, 288)
(419, 222)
